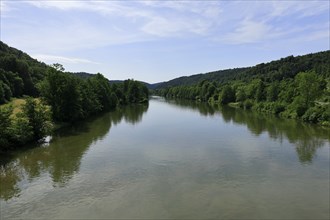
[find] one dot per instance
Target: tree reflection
(61, 158)
(203, 108)
(131, 113)
(306, 137)
(9, 177)
(306, 149)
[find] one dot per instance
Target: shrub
(248, 104)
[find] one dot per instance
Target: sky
(155, 41)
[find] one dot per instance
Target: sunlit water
(172, 160)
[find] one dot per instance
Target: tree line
(64, 98)
(19, 73)
(296, 88)
(53, 96)
(268, 72)
(72, 98)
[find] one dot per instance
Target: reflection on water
(131, 114)
(61, 159)
(306, 137)
(174, 159)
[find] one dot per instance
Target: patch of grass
(17, 104)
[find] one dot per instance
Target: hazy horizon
(156, 41)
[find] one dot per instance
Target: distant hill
(148, 85)
(292, 87)
(275, 70)
(219, 76)
(19, 73)
(83, 75)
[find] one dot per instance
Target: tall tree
(39, 118)
(309, 87)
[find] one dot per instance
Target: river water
(172, 160)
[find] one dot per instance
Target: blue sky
(156, 41)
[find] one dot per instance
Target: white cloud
(247, 32)
(149, 18)
(118, 8)
(175, 26)
(6, 9)
(299, 8)
(123, 22)
(60, 59)
(182, 17)
(206, 8)
(62, 5)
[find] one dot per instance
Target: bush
(32, 124)
(270, 107)
(39, 118)
(5, 125)
(248, 104)
(317, 114)
(21, 130)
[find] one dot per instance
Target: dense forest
(52, 97)
(275, 70)
(292, 87)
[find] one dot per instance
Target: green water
(172, 160)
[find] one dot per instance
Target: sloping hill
(19, 73)
(292, 87)
(276, 70)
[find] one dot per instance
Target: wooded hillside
(61, 96)
(292, 87)
(276, 70)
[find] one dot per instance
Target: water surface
(172, 160)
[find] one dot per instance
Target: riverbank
(23, 127)
(319, 111)
(318, 114)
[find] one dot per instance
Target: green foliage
(272, 92)
(309, 87)
(113, 100)
(2, 93)
(22, 131)
(5, 93)
(269, 107)
(292, 87)
(69, 97)
(247, 104)
(39, 118)
(58, 67)
(101, 88)
(132, 91)
(73, 98)
(19, 72)
(5, 124)
(290, 97)
(240, 94)
(318, 114)
(61, 92)
(90, 103)
(260, 91)
(32, 124)
(285, 68)
(227, 95)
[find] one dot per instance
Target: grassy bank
(16, 104)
